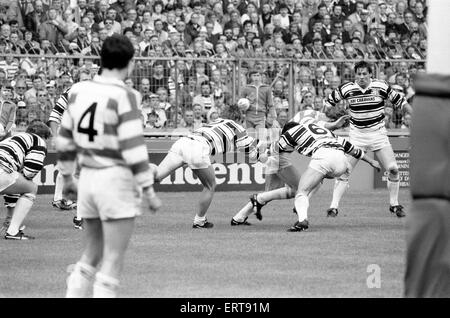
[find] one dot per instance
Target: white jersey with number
(102, 124)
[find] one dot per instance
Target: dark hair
(363, 64)
(116, 52)
(232, 112)
(288, 126)
(37, 127)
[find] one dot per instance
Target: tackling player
(328, 160)
(102, 127)
(366, 97)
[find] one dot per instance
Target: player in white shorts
(102, 129)
(366, 98)
(220, 136)
(282, 177)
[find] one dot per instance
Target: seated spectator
(152, 121)
(188, 121)
(199, 118)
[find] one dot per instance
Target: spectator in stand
(53, 30)
(36, 17)
(199, 118)
(188, 122)
(205, 98)
(158, 78)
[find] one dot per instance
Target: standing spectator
(158, 78)
(260, 100)
(131, 18)
(36, 17)
(53, 30)
(7, 112)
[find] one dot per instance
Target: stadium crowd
(194, 57)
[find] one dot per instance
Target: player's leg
(173, 160)
(340, 186)
(116, 236)
(80, 280)
(58, 195)
(387, 159)
(309, 180)
(27, 190)
(77, 220)
(208, 179)
(10, 203)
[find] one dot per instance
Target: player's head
(37, 127)
(363, 73)
(232, 112)
(288, 126)
(116, 53)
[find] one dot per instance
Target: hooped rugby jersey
(224, 135)
(366, 105)
(60, 107)
(309, 136)
(23, 152)
(102, 124)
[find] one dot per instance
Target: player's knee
(393, 171)
(343, 177)
(29, 196)
(290, 192)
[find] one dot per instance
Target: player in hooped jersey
(102, 129)
(21, 158)
(54, 122)
(223, 135)
(328, 160)
(282, 177)
(366, 97)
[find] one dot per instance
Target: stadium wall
(243, 176)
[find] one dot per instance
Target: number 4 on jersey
(90, 131)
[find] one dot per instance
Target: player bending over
(21, 158)
(220, 136)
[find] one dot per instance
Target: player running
(366, 97)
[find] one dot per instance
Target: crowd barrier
(232, 175)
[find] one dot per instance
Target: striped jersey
(60, 107)
(224, 135)
(309, 136)
(366, 105)
(24, 152)
(103, 128)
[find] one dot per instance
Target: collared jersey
(366, 105)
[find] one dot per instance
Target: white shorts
(332, 163)
(109, 193)
(194, 153)
(7, 179)
(369, 141)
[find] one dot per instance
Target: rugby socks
(393, 187)
(277, 194)
(244, 212)
(59, 182)
(105, 286)
(80, 281)
(199, 219)
(339, 189)
(301, 205)
(21, 210)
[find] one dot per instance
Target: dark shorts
(428, 255)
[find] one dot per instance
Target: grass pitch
(167, 258)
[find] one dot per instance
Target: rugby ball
(243, 104)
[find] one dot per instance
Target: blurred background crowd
(194, 57)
